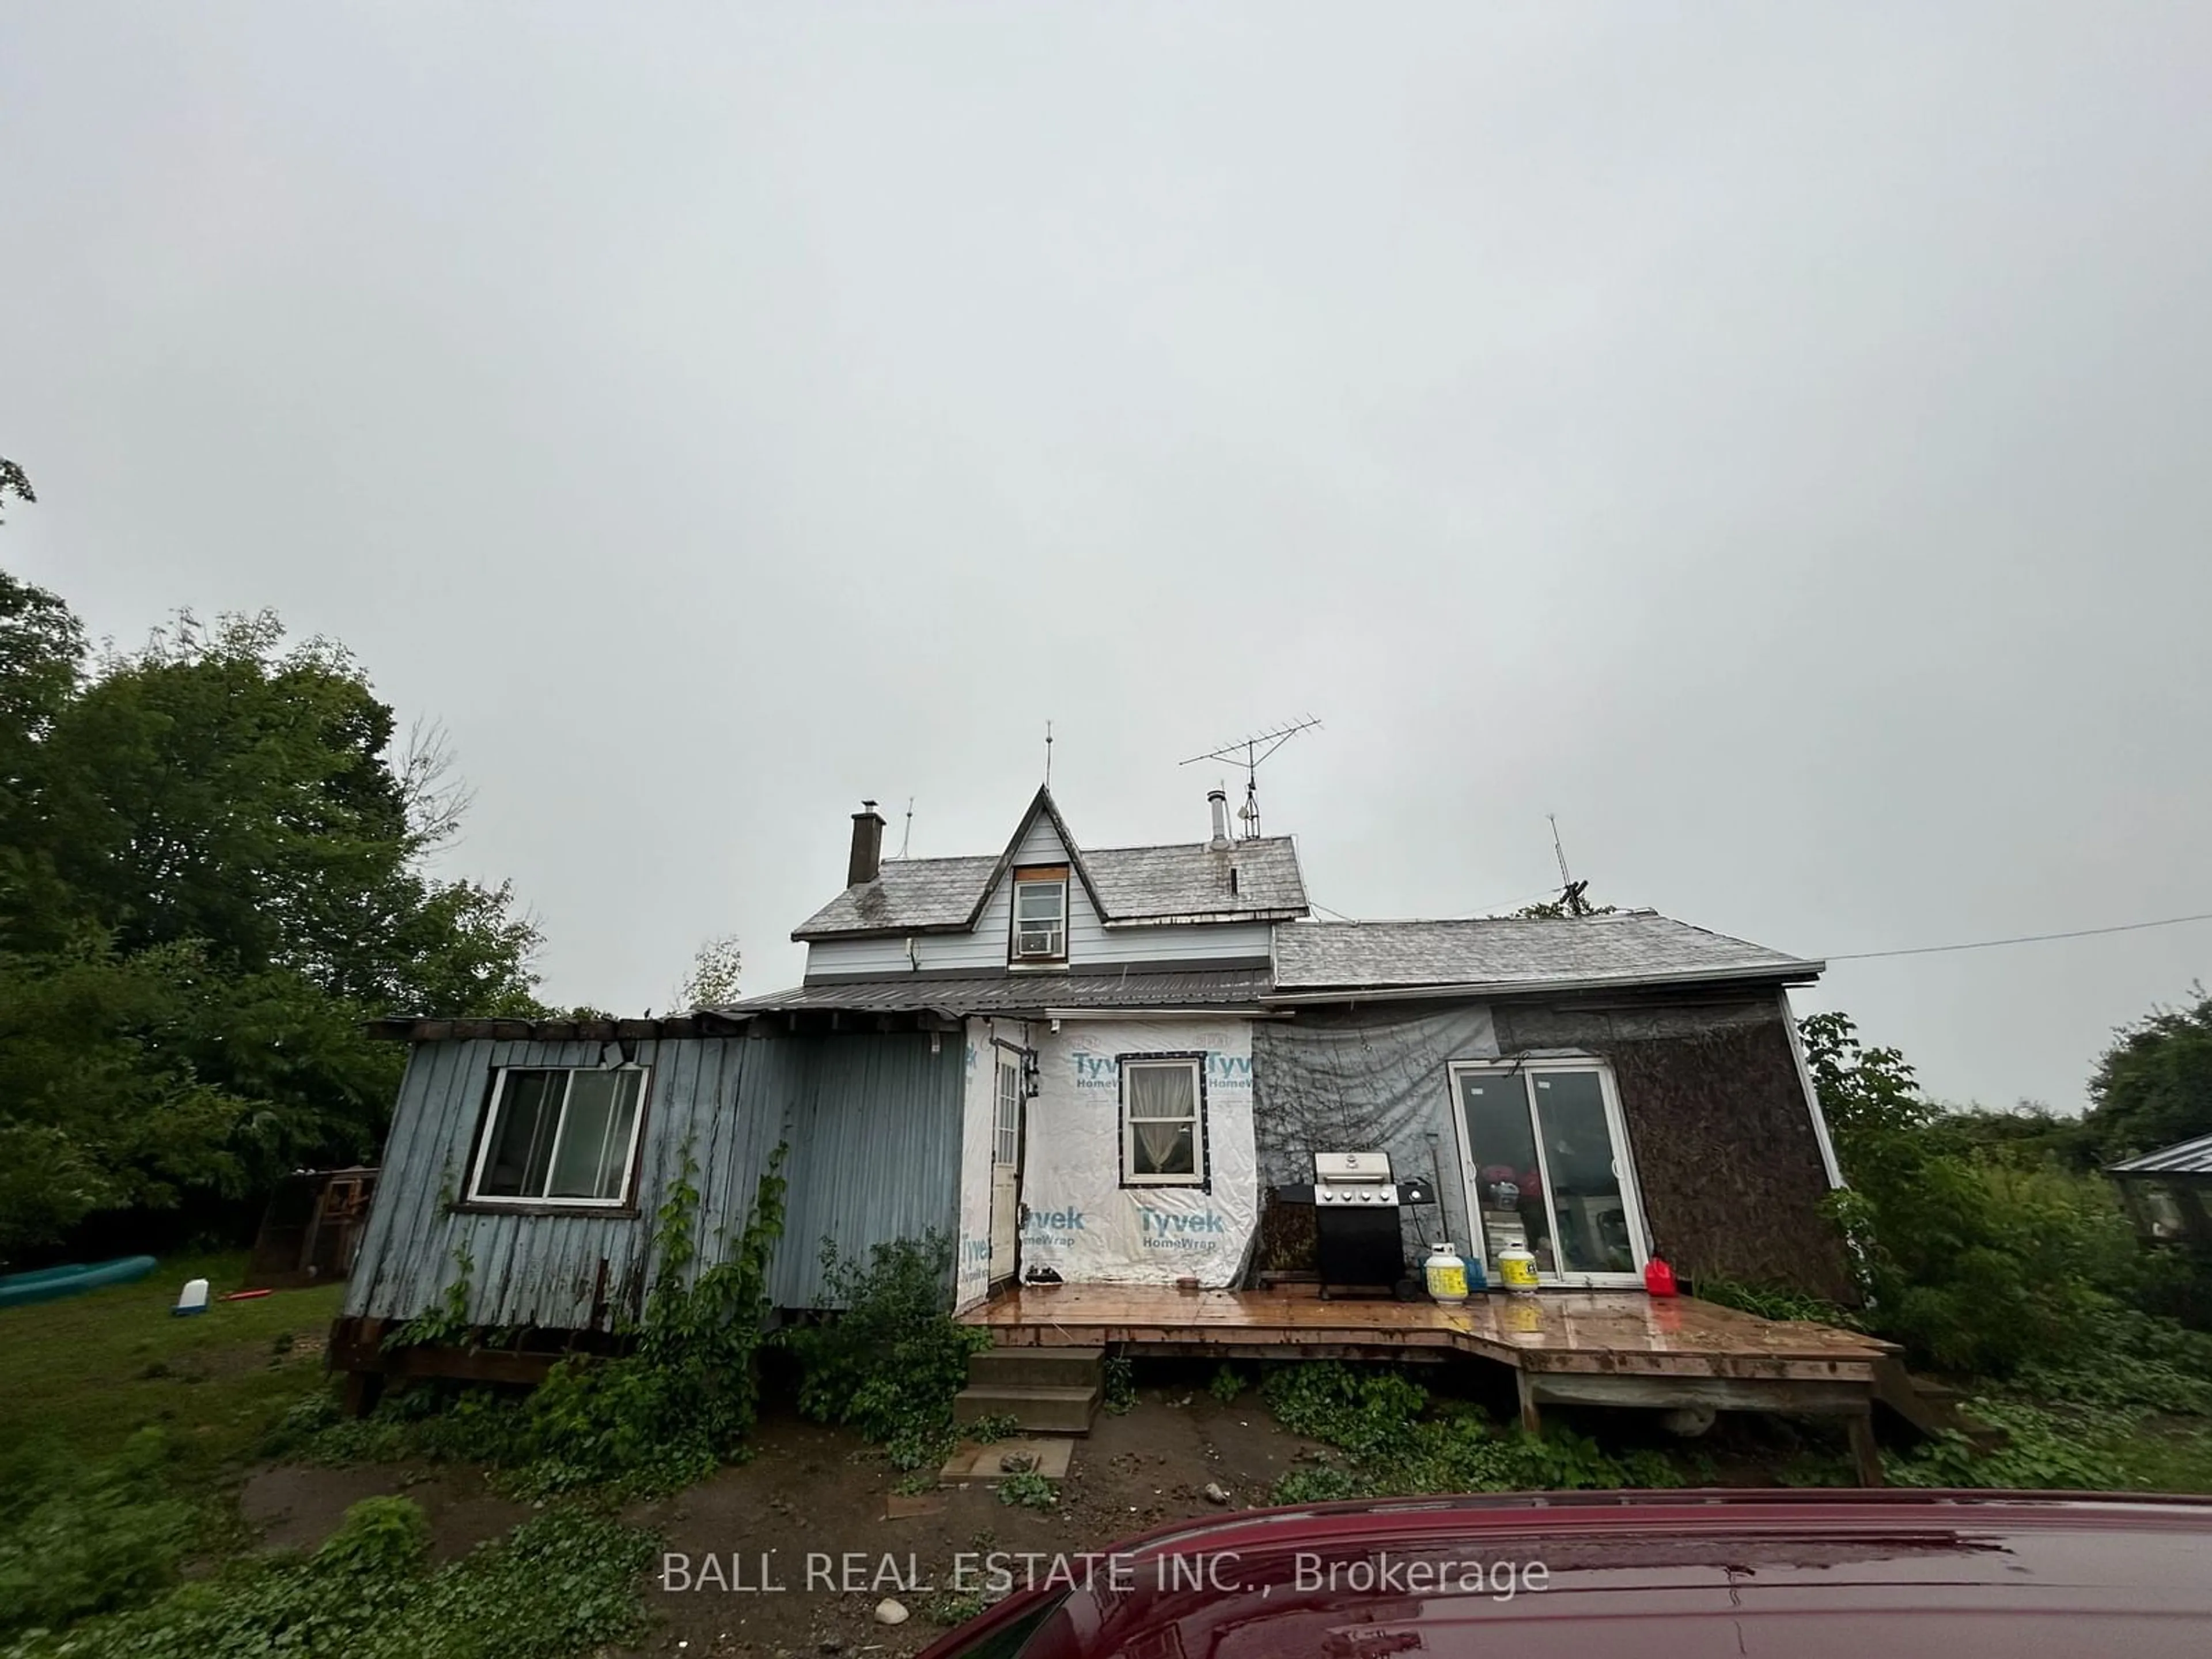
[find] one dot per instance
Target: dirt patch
(813, 1491)
(294, 1506)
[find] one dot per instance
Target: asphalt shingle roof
(1011, 993)
(906, 893)
(1135, 883)
(1132, 883)
(1635, 947)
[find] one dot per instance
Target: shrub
(2128, 1359)
(1121, 1385)
(1772, 1302)
(681, 1403)
(1979, 1255)
(668, 1412)
(1028, 1490)
(1396, 1443)
(1322, 1483)
(2041, 1451)
(889, 1361)
(562, 1583)
(78, 1538)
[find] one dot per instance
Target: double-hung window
(560, 1136)
(1039, 915)
(1162, 1128)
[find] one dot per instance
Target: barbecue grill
(1358, 1245)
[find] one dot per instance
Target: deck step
(1037, 1407)
(1056, 1367)
(1931, 1407)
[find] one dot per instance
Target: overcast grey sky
(1774, 439)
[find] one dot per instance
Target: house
(1113, 1066)
(2169, 1192)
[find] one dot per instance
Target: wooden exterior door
(1006, 1167)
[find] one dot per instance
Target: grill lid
(1331, 1168)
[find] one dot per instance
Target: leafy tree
(99, 1107)
(713, 981)
(16, 482)
(1978, 1256)
(2154, 1085)
(42, 651)
(1573, 900)
(213, 868)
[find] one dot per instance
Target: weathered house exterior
(1098, 1066)
(2168, 1192)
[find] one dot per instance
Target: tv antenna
(1249, 752)
(907, 835)
(1570, 890)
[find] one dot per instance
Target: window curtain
(1161, 1110)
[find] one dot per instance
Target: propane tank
(1516, 1271)
(1445, 1275)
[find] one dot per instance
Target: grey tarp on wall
(1363, 1078)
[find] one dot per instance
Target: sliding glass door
(1546, 1161)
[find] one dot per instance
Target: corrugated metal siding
(837, 1100)
(874, 1127)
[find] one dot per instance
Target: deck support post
(1865, 1452)
(361, 1393)
(1532, 1418)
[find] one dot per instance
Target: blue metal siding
(875, 1151)
(871, 1122)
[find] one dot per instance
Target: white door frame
(1631, 1189)
(1006, 1175)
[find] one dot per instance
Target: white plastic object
(194, 1299)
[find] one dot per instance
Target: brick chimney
(867, 846)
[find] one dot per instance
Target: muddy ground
(811, 1490)
(825, 1494)
(815, 1492)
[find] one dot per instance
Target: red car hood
(1880, 1575)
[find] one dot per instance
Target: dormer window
(1039, 915)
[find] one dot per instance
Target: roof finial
(1047, 754)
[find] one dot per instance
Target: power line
(2023, 939)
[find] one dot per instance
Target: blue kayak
(51, 1283)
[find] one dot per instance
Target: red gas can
(1658, 1277)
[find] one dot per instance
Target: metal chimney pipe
(1218, 801)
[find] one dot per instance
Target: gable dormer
(1040, 900)
(1046, 904)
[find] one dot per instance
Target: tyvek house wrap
(1083, 1222)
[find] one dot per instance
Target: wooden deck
(1567, 1347)
(1608, 1332)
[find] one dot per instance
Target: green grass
(123, 1430)
(90, 1371)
